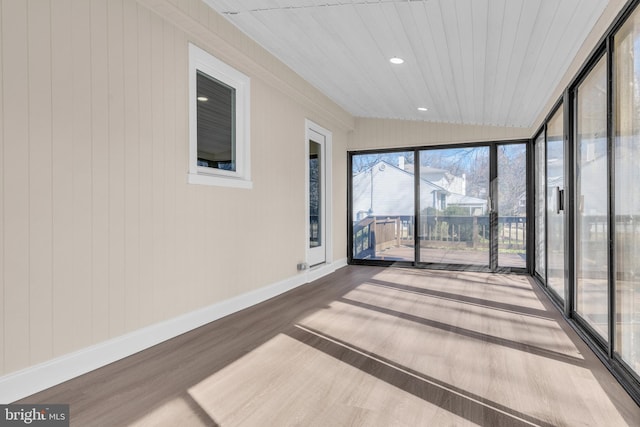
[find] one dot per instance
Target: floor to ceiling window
(441, 207)
(627, 191)
(382, 206)
(594, 228)
(454, 215)
(540, 183)
(555, 203)
(512, 205)
(592, 200)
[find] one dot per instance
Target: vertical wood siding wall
(100, 233)
(386, 133)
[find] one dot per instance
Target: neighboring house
(442, 178)
(387, 190)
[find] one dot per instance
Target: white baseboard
(26, 382)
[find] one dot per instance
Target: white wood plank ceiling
(489, 62)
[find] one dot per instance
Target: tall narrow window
(218, 122)
(591, 212)
(454, 212)
(555, 204)
(540, 223)
(627, 191)
(315, 194)
(512, 205)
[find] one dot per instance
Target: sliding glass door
(588, 256)
(592, 200)
(453, 226)
(382, 206)
(555, 204)
(627, 191)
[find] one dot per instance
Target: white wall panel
(131, 169)
(145, 166)
(378, 133)
(40, 174)
(99, 165)
(16, 184)
(81, 171)
(62, 172)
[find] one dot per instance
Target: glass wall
(627, 191)
(454, 215)
(540, 198)
(383, 208)
(555, 200)
(512, 205)
(592, 196)
(455, 223)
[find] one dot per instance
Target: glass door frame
(571, 306)
(322, 253)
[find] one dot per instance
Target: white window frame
(200, 60)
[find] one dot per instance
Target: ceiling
(487, 62)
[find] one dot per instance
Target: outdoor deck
(450, 256)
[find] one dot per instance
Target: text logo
(34, 415)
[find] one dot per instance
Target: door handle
(560, 201)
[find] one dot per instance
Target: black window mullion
(416, 196)
(569, 252)
(611, 199)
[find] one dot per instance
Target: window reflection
(383, 206)
(592, 240)
(540, 223)
(627, 191)
(555, 208)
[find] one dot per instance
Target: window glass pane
(512, 205)
(383, 206)
(315, 194)
(541, 209)
(555, 212)
(216, 123)
(627, 191)
(592, 241)
(454, 216)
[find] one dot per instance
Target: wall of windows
(587, 251)
(462, 207)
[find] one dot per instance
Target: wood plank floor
(365, 346)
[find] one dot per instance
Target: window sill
(220, 181)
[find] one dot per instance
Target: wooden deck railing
(376, 233)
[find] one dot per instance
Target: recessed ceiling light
(423, 109)
(202, 98)
(396, 60)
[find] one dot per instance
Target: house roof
(386, 190)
